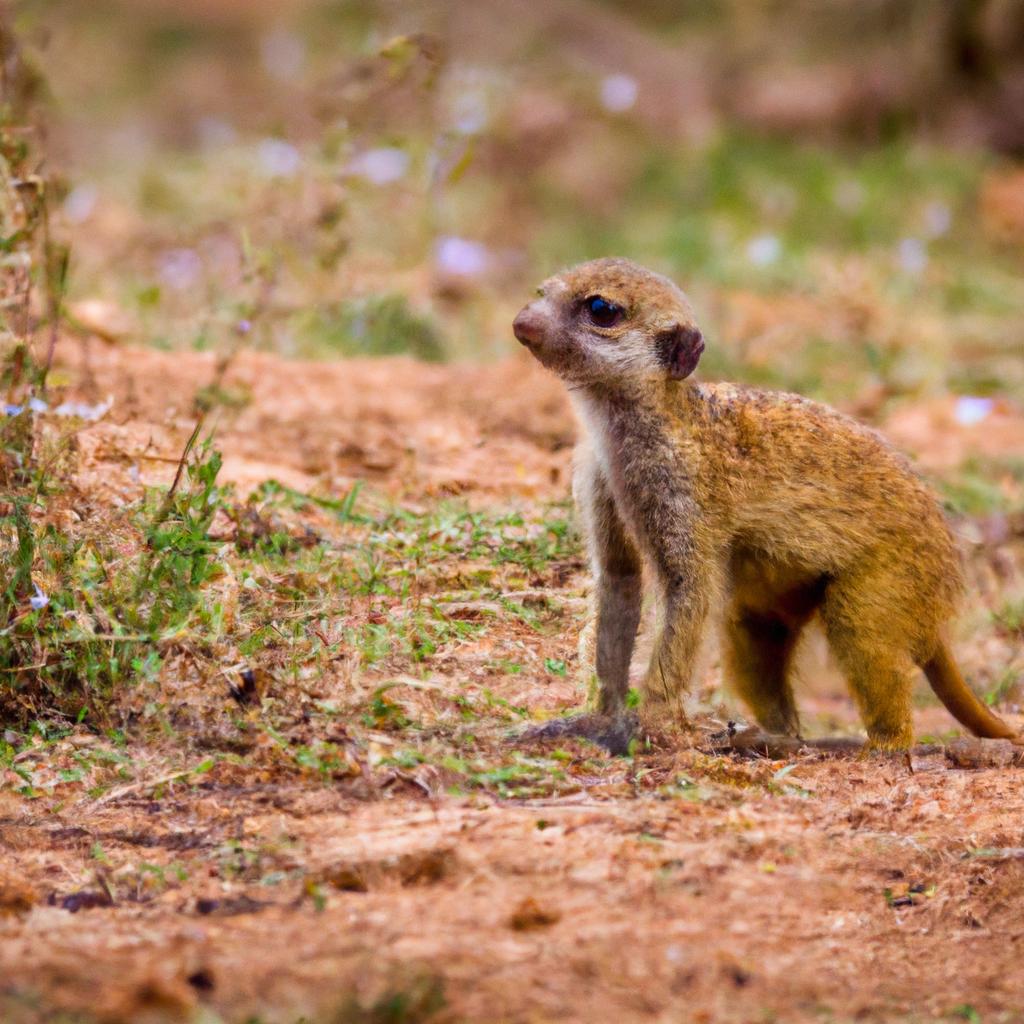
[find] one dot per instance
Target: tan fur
(768, 506)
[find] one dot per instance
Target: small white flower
(913, 255)
(278, 159)
(619, 93)
(466, 99)
(938, 219)
(80, 203)
(381, 166)
(38, 600)
(764, 250)
(180, 269)
(970, 410)
(469, 113)
(84, 411)
(461, 257)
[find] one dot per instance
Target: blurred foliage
(378, 325)
(372, 178)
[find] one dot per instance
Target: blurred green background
(836, 183)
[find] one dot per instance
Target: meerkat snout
(529, 325)
(680, 348)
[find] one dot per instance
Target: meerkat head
(611, 322)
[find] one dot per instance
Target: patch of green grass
(26, 750)
(343, 508)
(92, 607)
(1010, 617)
(519, 777)
(452, 530)
(1009, 679)
(406, 1001)
(383, 713)
(985, 486)
(417, 635)
(375, 326)
(80, 616)
(965, 1012)
(505, 666)
(698, 208)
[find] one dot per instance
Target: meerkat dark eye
(602, 312)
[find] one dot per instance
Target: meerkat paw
(882, 754)
(615, 733)
(896, 742)
(661, 716)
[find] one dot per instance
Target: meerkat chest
(594, 424)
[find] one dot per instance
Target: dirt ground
(671, 886)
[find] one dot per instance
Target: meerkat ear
(680, 349)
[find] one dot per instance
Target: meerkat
(761, 508)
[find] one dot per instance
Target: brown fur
(766, 508)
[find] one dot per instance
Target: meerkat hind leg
(770, 605)
(880, 670)
(758, 652)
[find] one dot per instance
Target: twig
(189, 445)
(754, 741)
(135, 787)
(54, 288)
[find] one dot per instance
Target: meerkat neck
(624, 427)
(675, 398)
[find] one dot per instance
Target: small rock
(83, 899)
(348, 879)
(106, 320)
(530, 915)
(970, 752)
(230, 906)
(17, 897)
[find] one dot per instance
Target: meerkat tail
(960, 700)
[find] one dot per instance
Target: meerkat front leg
(687, 587)
(608, 640)
(618, 587)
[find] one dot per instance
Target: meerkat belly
(763, 586)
